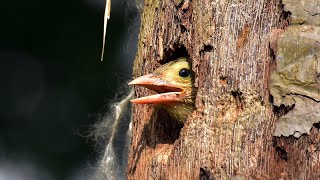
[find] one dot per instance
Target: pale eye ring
(184, 72)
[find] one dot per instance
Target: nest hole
(162, 128)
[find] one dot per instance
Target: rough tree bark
(230, 134)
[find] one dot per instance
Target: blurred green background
(53, 84)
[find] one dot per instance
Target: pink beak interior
(168, 93)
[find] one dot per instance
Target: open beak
(168, 93)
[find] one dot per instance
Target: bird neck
(179, 112)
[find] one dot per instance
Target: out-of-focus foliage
(53, 84)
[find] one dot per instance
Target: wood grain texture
(230, 133)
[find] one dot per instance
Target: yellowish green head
(174, 82)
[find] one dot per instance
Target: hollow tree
(233, 48)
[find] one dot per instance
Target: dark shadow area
(205, 174)
(206, 48)
(282, 109)
(317, 125)
(281, 152)
(174, 53)
(161, 129)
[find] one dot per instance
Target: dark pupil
(184, 72)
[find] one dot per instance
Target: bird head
(174, 83)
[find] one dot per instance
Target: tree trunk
(230, 134)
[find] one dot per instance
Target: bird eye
(184, 73)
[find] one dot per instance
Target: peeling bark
(230, 135)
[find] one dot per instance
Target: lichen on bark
(296, 79)
(303, 11)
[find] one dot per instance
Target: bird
(174, 83)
